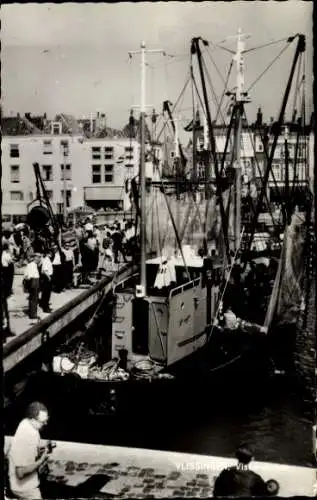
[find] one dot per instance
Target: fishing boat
(178, 320)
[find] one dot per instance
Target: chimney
(259, 117)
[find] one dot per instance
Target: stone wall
(305, 346)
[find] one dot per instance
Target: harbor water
(270, 418)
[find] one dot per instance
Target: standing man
(69, 264)
(25, 458)
(32, 283)
(46, 281)
(7, 276)
(58, 276)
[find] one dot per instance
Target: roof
(15, 126)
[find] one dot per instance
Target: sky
(73, 58)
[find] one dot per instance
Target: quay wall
(305, 345)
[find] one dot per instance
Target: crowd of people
(50, 263)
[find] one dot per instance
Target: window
(129, 157)
(277, 171)
(96, 153)
(108, 173)
(128, 149)
(47, 172)
(260, 147)
(49, 194)
(96, 174)
(14, 151)
(15, 173)
(172, 154)
(68, 172)
(16, 195)
(108, 156)
(47, 148)
(129, 165)
(108, 149)
(56, 128)
(65, 148)
(68, 197)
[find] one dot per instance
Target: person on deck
(239, 481)
(25, 457)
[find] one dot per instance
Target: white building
(96, 170)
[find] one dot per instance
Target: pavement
(18, 305)
(18, 301)
(97, 471)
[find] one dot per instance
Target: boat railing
(184, 287)
(123, 281)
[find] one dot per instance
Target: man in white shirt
(69, 264)
(32, 280)
(24, 455)
(46, 281)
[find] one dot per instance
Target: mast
(301, 44)
(178, 180)
(142, 288)
(142, 176)
(240, 99)
(195, 49)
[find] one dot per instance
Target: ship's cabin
(176, 273)
(169, 323)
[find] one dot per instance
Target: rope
(267, 68)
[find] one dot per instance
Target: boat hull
(229, 358)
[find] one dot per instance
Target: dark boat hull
(230, 358)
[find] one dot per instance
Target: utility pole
(143, 51)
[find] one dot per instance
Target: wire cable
(267, 68)
(216, 67)
(265, 45)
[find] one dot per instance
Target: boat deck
(95, 471)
